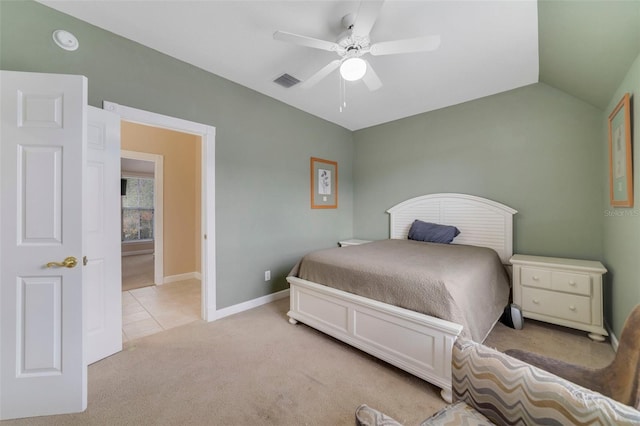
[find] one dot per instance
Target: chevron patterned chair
(619, 380)
(490, 387)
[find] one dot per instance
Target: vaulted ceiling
(581, 47)
(586, 47)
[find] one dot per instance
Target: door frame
(208, 210)
(158, 209)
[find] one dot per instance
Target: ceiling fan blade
(371, 79)
(366, 17)
(324, 71)
(410, 45)
(305, 41)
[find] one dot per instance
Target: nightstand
(566, 292)
(352, 242)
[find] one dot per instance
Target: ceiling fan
(354, 43)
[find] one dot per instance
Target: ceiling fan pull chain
(340, 93)
(343, 93)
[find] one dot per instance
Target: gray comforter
(463, 284)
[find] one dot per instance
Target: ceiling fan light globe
(353, 69)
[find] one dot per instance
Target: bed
(413, 341)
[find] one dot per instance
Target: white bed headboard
(481, 222)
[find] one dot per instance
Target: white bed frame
(414, 342)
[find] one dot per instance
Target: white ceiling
(487, 47)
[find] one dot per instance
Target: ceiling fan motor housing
(352, 46)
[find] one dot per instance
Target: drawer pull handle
(536, 301)
(536, 278)
(572, 283)
(572, 308)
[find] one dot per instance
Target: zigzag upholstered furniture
(418, 343)
(493, 388)
(619, 380)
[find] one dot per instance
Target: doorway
(205, 225)
(137, 165)
(165, 227)
(139, 211)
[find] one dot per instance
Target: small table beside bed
(406, 301)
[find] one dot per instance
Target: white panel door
(102, 270)
(42, 149)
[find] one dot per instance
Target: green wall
(621, 227)
(263, 218)
(535, 149)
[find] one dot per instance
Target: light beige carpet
(137, 271)
(255, 368)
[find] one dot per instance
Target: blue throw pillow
(432, 232)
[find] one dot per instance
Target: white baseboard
(181, 277)
(137, 252)
(250, 304)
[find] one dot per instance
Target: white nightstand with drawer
(566, 292)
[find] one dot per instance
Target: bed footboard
(414, 342)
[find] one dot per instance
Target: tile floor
(152, 309)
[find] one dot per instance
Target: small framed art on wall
(620, 155)
(324, 184)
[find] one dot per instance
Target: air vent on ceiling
(286, 80)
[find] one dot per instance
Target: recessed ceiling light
(65, 40)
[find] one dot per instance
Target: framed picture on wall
(324, 184)
(620, 155)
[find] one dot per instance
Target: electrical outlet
(267, 275)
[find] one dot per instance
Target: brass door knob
(69, 262)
